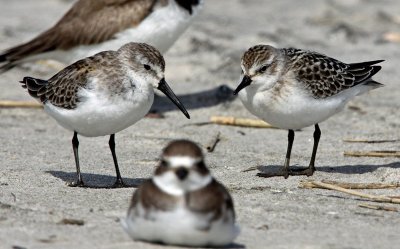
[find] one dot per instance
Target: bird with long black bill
(104, 94)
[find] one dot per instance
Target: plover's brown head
(146, 66)
(261, 67)
(182, 168)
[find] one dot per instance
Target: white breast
(99, 115)
(180, 227)
(294, 110)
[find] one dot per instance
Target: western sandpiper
(182, 204)
(104, 94)
(292, 89)
(92, 26)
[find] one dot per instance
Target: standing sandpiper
(292, 89)
(92, 26)
(182, 204)
(104, 94)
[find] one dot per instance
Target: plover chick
(92, 26)
(104, 94)
(182, 204)
(292, 89)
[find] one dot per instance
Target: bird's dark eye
(241, 71)
(147, 67)
(164, 163)
(263, 69)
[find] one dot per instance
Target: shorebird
(293, 88)
(104, 94)
(182, 204)
(92, 26)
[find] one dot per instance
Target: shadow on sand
(344, 169)
(96, 181)
(197, 100)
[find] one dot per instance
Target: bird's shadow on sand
(343, 169)
(96, 181)
(206, 98)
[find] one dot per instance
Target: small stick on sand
(210, 145)
(378, 207)
(391, 37)
(19, 104)
(375, 153)
(244, 122)
(375, 198)
(250, 169)
(349, 140)
(348, 185)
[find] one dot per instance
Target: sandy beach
(203, 67)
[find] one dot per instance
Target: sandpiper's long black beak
(245, 82)
(164, 87)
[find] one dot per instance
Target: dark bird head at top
(188, 4)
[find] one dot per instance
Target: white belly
(97, 116)
(294, 111)
(180, 227)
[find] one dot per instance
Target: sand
(36, 157)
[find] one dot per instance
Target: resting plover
(182, 204)
(292, 88)
(92, 26)
(104, 94)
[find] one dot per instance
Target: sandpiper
(92, 26)
(182, 204)
(104, 94)
(293, 88)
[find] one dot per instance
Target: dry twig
(67, 221)
(376, 153)
(244, 122)
(348, 185)
(375, 198)
(210, 145)
(378, 207)
(391, 37)
(350, 140)
(19, 104)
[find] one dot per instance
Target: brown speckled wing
(62, 89)
(211, 199)
(87, 22)
(152, 198)
(324, 76)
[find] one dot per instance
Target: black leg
(288, 152)
(75, 145)
(317, 136)
(111, 143)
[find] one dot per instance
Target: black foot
(302, 171)
(76, 184)
(292, 172)
(119, 184)
(283, 173)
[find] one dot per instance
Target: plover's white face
(261, 67)
(182, 169)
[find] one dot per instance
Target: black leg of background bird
(75, 145)
(118, 183)
(288, 152)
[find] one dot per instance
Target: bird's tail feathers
(36, 87)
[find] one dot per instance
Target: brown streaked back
(87, 22)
